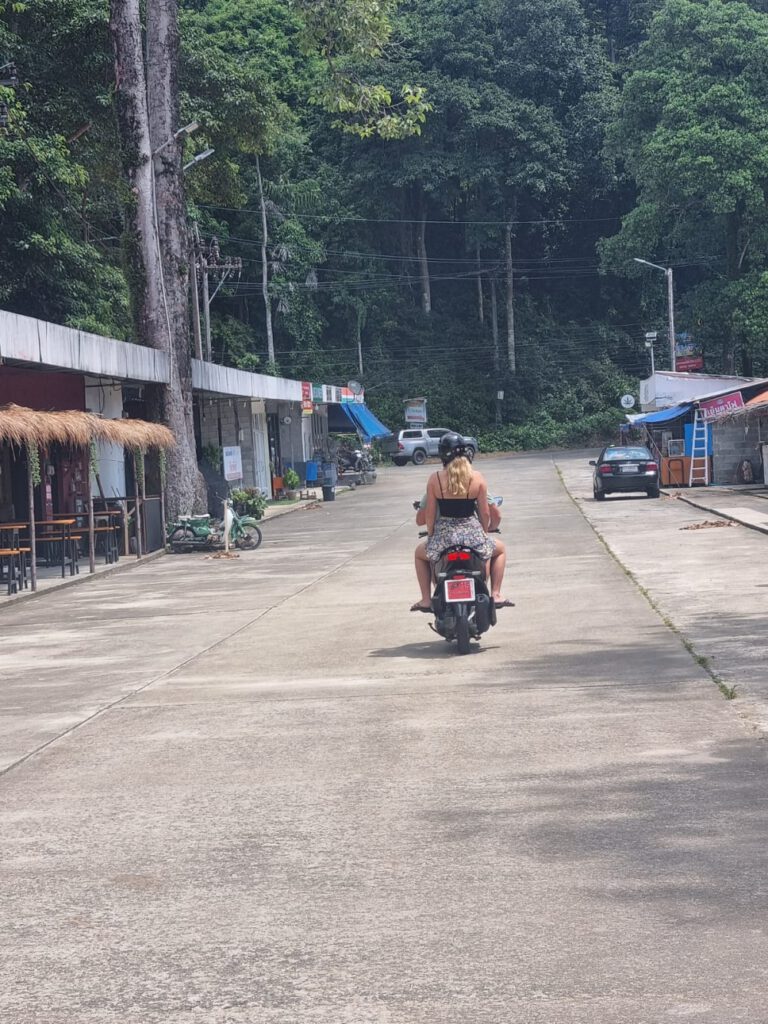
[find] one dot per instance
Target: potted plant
(291, 483)
(249, 501)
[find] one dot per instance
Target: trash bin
(311, 475)
(329, 492)
(330, 474)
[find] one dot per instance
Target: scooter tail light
(459, 556)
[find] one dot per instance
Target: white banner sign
(233, 463)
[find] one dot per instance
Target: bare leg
(424, 575)
(498, 565)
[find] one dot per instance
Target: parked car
(418, 444)
(623, 470)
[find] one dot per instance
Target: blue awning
(664, 415)
(361, 418)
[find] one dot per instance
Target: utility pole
(196, 293)
(213, 264)
(667, 271)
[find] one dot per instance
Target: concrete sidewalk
(711, 584)
(748, 505)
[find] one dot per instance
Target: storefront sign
(416, 411)
(714, 408)
(233, 463)
(688, 355)
(307, 405)
(317, 393)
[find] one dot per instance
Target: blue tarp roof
(361, 418)
(664, 415)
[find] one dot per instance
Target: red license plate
(460, 590)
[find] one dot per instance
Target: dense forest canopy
(450, 213)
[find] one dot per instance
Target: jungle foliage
(454, 192)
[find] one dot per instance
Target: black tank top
(455, 508)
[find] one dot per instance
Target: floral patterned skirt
(466, 533)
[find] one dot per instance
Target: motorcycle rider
(460, 495)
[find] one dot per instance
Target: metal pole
(32, 538)
(653, 362)
(196, 306)
(671, 301)
(137, 520)
(206, 311)
(91, 524)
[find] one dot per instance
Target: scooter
(350, 459)
(462, 603)
(193, 532)
(463, 606)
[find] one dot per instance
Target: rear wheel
(653, 492)
(598, 495)
(399, 461)
(462, 630)
(419, 457)
(250, 538)
(181, 539)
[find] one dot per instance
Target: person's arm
(430, 513)
(421, 512)
(483, 509)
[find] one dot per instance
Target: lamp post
(670, 304)
(198, 159)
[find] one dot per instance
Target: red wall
(39, 390)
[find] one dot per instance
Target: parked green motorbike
(189, 533)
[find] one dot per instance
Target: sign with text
(714, 408)
(233, 463)
(688, 355)
(307, 404)
(416, 411)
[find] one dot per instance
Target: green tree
(693, 133)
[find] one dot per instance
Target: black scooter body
(462, 621)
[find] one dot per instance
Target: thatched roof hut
(77, 429)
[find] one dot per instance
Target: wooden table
(108, 531)
(44, 533)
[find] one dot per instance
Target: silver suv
(418, 444)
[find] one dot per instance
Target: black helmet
(452, 446)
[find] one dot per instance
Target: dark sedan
(623, 470)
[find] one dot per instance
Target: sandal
(504, 604)
(420, 608)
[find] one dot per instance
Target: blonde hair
(459, 472)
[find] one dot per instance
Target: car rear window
(619, 454)
(411, 433)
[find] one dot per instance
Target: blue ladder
(698, 475)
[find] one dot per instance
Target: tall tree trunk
(511, 354)
(157, 245)
(265, 268)
(480, 303)
(421, 249)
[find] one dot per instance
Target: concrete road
(262, 792)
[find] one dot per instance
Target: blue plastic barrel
(312, 469)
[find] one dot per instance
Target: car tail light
(400, 446)
(651, 467)
(459, 556)
(605, 470)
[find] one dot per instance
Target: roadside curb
(716, 512)
(303, 504)
(127, 563)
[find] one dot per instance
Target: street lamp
(199, 158)
(182, 133)
(670, 303)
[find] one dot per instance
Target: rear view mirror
(592, 462)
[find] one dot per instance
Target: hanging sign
(714, 408)
(688, 355)
(233, 463)
(307, 405)
(416, 411)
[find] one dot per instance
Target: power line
(405, 220)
